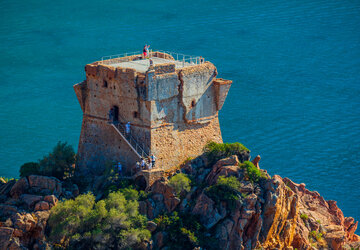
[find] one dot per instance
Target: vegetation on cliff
(226, 189)
(112, 223)
(253, 173)
(216, 151)
(58, 163)
(183, 230)
(180, 183)
(219, 200)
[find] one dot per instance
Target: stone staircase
(139, 148)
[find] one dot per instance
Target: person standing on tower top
(146, 50)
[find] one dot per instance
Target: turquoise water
(295, 66)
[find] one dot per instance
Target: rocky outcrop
(19, 188)
(24, 210)
(224, 167)
(164, 198)
(322, 217)
(280, 213)
(273, 213)
(209, 213)
(45, 184)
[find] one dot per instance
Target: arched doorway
(140, 181)
(116, 113)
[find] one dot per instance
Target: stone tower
(171, 101)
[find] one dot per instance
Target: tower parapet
(172, 105)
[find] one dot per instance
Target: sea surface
(295, 66)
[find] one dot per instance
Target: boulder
(7, 210)
(51, 199)
(223, 233)
(209, 214)
(151, 226)
(19, 188)
(159, 240)
(5, 188)
(42, 205)
(25, 222)
(15, 244)
(30, 200)
(169, 199)
(41, 221)
(224, 167)
(46, 183)
(5, 235)
(256, 161)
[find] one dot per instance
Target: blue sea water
(295, 99)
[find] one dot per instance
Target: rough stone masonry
(172, 107)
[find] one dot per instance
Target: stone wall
(174, 143)
(99, 145)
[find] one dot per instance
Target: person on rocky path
(127, 128)
(119, 167)
(153, 159)
(137, 168)
(143, 163)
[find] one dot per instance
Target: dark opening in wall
(105, 84)
(193, 103)
(115, 113)
(136, 114)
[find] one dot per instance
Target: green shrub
(304, 217)
(216, 151)
(189, 235)
(226, 189)
(29, 168)
(59, 162)
(184, 230)
(179, 183)
(112, 221)
(315, 235)
(253, 172)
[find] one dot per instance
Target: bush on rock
(111, 223)
(216, 151)
(180, 183)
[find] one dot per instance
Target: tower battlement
(172, 106)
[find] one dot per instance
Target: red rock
(42, 205)
(256, 161)
(209, 214)
(18, 232)
(169, 198)
(7, 210)
(45, 182)
(51, 199)
(19, 188)
(151, 226)
(30, 199)
(224, 167)
(5, 188)
(5, 235)
(159, 240)
(24, 222)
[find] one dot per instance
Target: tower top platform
(143, 65)
(136, 61)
